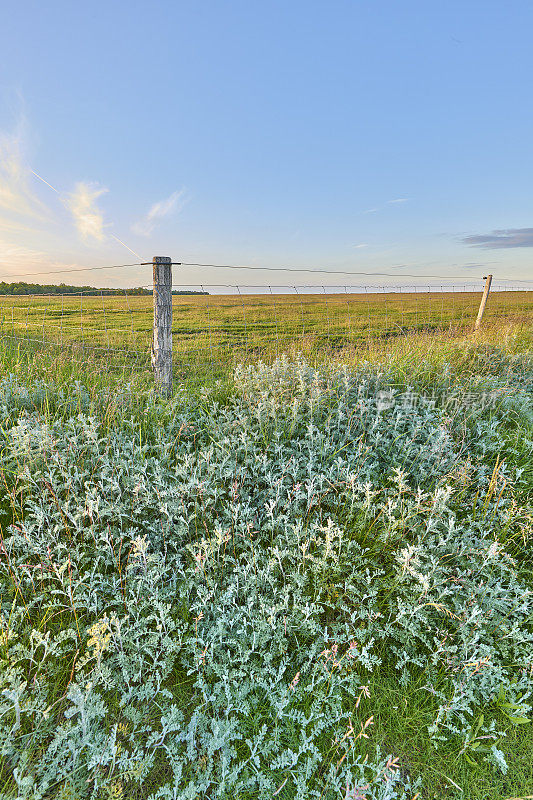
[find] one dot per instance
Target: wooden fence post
(488, 281)
(162, 338)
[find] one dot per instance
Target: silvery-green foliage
(198, 611)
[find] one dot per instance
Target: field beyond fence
(213, 332)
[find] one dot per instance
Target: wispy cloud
(394, 201)
(359, 246)
(15, 257)
(18, 203)
(500, 239)
(20, 261)
(82, 204)
(159, 210)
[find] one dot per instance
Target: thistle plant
(195, 612)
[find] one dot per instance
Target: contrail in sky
(112, 234)
(126, 246)
(43, 180)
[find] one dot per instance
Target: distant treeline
(63, 288)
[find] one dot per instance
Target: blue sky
(357, 135)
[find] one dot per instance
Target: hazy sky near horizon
(351, 135)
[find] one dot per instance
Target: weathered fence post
(488, 281)
(162, 338)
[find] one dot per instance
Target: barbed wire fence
(212, 327)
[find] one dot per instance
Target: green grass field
(161, 627)
(213, 333)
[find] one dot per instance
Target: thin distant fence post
(301, 314)
(30, 298)
(105, 320)
(350, 337)
(461, 326)
(44, 315)
(62, 314)
(244, 319)
(369, 320)
(162, 336)
(488, 281)
(275, 320)
(81, 324)
(209, 330)
(327, 315)
(131, 321)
